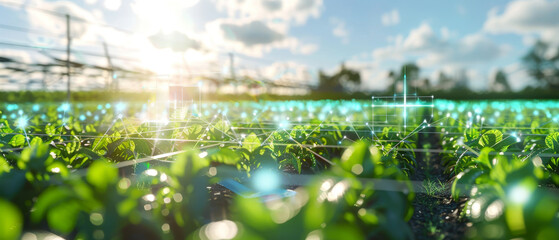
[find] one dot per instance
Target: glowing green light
(519, 194)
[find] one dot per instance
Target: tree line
(541, 62)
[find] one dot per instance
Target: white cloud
(340, 30)
(476, 80)
(423, 38)
(523, 17)
(390, 18)
(15, 4)
(91, 2)
(289, 10)
(17, 55)
(57, 24)
(112, 5)
(255, 27)
(307, 49)
(373, 78)
(471, 49)
(518, 77)
(251, 33)
(431, 49)
(391, 52)
(254, 37)
(289, 71)
(89, 35)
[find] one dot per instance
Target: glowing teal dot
(64, 107)
(21, 122)
(119, 107)
(266, 180)
(519, 194)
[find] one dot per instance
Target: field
(280, 170)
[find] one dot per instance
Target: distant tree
(542, 63)
(425, 85)
(445, 81)
(461, 81)
(411, 70)
(340, 81)
(500, 82)
(393, 79)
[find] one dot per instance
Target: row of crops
(312, 169)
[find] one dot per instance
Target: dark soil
(220, 200)
(436, 214)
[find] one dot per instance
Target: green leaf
(464, 182)
(50, 130)
(471, 134)
(490, 138)
(344, 232)
(142, 147)
(505, 143)
(17, 140)
(254, 214)
(36, 141)
(101, 173)
(90, 154)
(72, 147)
(47, 199)
(4, 166)
(251, 142)
(360, 159)
(90, 128)
(225, 155)
(62, 217)
(77, 126)
(189, 163)
(552, 141)
(111, 147)
(35, 157)
(11, 221)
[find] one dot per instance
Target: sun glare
(162, 15)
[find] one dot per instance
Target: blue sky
(291, 40)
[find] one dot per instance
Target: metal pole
(231, 66)
(68, 41)
(109, 62)
(232, 72)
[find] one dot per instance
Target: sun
(163, 62)
(165, 15)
